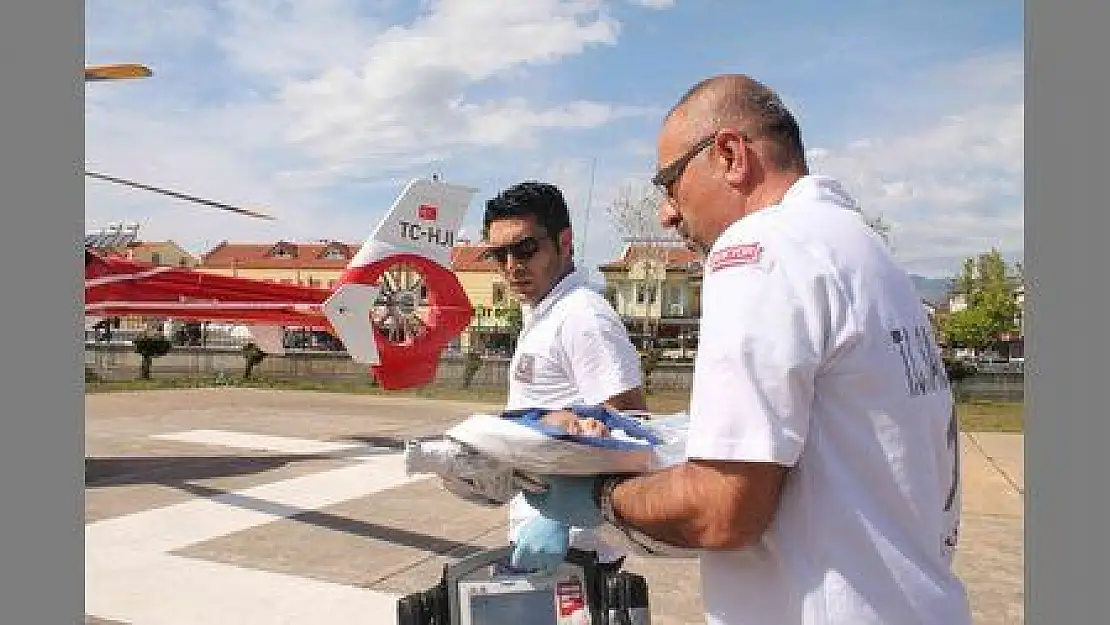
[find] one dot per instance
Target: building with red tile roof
(656, 288)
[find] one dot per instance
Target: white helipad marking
(263, 442)
(130, 575)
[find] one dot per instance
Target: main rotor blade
(181, 196)
(116, 71)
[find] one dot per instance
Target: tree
(150, 346)
(649, 362)
(970, 327)
(514, 319)
(634, 211)
(989, 286)
(471, 365)
(253, 355)
(957, 371)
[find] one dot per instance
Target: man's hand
(541, 545)
(569, 500)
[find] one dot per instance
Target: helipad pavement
(244, 506)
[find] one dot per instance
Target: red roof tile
(261, 256)
(677, 257)
(464, 257)
(467, 258)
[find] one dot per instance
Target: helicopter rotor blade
(116, 71)
(181, 196)
(121, 71)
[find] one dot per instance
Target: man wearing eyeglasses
(573, 347)
(822, 480)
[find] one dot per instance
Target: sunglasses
(665, 178)
(523, 250)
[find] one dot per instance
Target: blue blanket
(634, 428)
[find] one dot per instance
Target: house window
(155, 258)
(181, 262)
(676, 300)
(335, 254)
(645, 294)
(498, 294)
(283, 250)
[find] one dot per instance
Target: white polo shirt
(573, 349)
(816, 352)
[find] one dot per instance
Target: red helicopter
(395, 306)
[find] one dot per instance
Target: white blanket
(487, 458)
(634, 445)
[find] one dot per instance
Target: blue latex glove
(541, 545)
(568, 499)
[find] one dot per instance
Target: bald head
(742, 102)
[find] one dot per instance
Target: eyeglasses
(665, 178)
(523, 250)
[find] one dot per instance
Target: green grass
(975, 416)
(358, 387)
(990, 416)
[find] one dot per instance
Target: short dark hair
(542, 200)
(735, 98)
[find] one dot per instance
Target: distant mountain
(934, 290)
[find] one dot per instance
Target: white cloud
(416, 91)
(953, 186)
(220, 155)
(128, 30)
(653, 4)
(315, 112)
(283, 40)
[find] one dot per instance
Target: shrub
(957, 369)
(150, 346)
(471, 366)
(253, 355)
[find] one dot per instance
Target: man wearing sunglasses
(822, 480)
(573, 347)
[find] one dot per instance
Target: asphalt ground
(248, 506)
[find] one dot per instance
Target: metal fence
(992, 387)
(118, 361)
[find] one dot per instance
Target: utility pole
(586, 219)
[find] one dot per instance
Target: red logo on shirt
(427, 212)
(571, 599)
(744, 254)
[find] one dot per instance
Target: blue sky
(317, 111)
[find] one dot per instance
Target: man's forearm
(666, 505)
(697, 505)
